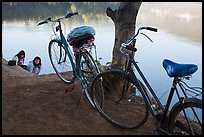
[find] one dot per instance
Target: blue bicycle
(70, 65)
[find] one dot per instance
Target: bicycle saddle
(178, 70)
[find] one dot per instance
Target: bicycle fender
(186, 102)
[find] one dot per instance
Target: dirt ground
(44, 105)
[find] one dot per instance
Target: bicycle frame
(146, 96)
(68, 50)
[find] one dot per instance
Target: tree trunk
(124, 19)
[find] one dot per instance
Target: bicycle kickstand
(82, 94)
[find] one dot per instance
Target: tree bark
(124, 19)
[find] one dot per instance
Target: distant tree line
(40, 10)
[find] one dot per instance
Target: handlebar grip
(43, 22)
(71, 14)
(75, 13)
(152, 29)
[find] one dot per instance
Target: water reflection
(181, 18)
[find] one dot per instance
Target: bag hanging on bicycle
(80, 36)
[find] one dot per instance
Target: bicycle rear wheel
(89, 70)
(88, 67)
(60, 61)
(118, 100)
(186, 118)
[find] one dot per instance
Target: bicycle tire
(60, 61)
(89, 70)
(88, 67)
(130, 111)
(178, 123)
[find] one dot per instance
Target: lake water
(17, 35)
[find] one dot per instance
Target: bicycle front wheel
(60, 61)
(118, 99)
(186, 118)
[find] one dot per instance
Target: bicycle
(121, 97)
(67, 66)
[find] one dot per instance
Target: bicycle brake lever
(147, 37)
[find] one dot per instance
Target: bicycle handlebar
(42, 22)
(141, 28)
(49, 19)
(71, 14)
(152, 29)
(127, 44)
(147, 28)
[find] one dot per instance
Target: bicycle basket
(80, 36)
